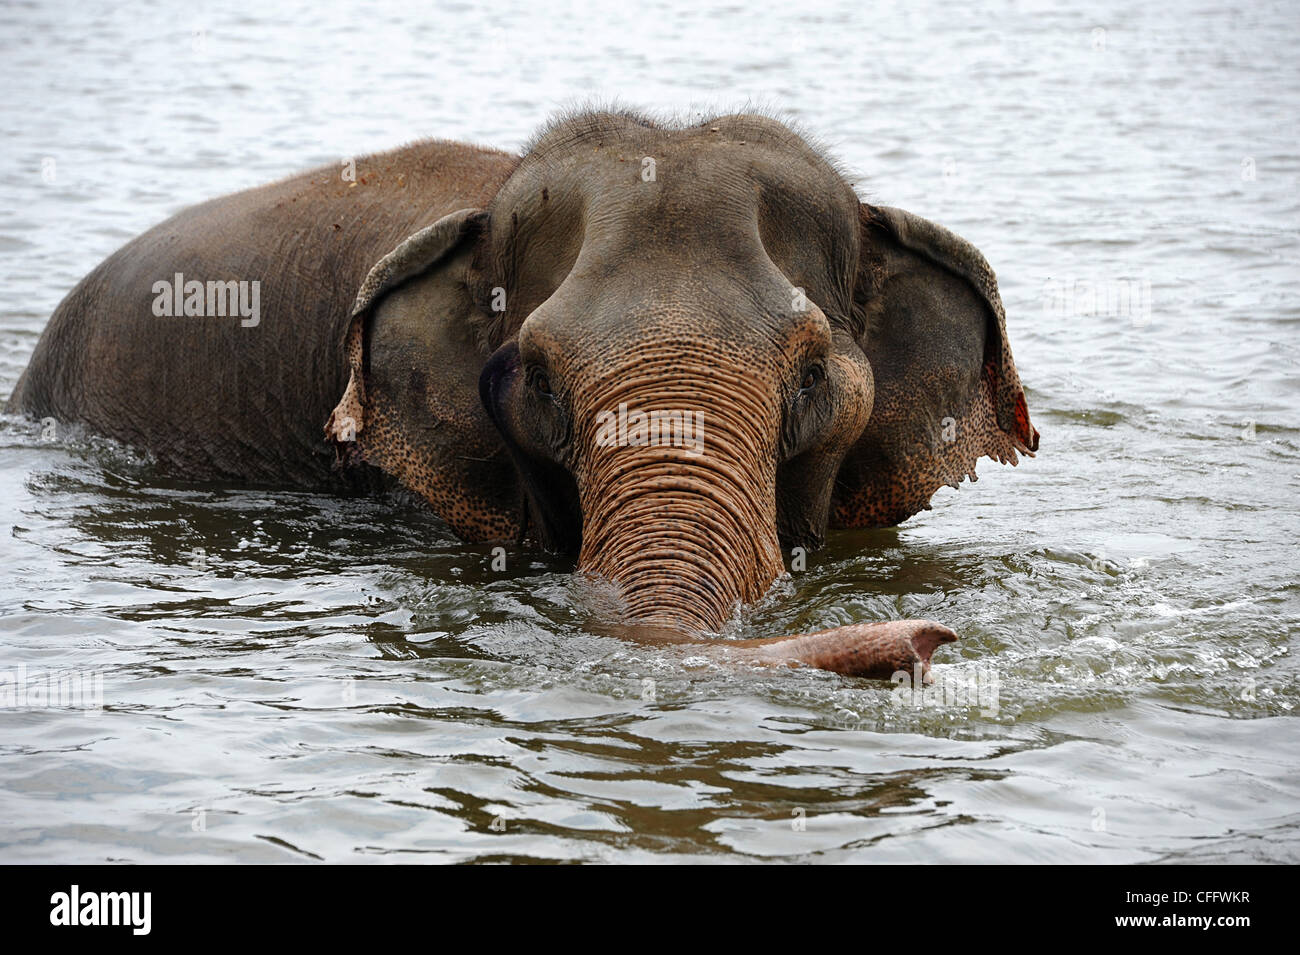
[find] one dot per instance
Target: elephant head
(672, 351)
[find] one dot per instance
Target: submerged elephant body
(668, 350)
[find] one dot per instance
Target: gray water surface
(288, 676)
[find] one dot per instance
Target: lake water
(288, 676)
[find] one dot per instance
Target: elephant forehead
(721, 175)
(732, 227)
(643, 145)
(706, 187)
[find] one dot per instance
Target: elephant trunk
(878, 651)
(678, 493)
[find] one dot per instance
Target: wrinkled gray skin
(843, 360)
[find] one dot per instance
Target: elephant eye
(542, 384)
(810, 379)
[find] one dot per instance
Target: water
(288, 676)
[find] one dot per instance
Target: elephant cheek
(856, 388)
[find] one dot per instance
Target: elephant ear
(930, 321)
(414, 350)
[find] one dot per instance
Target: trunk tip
(928, 636)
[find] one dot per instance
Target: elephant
(668, 348)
